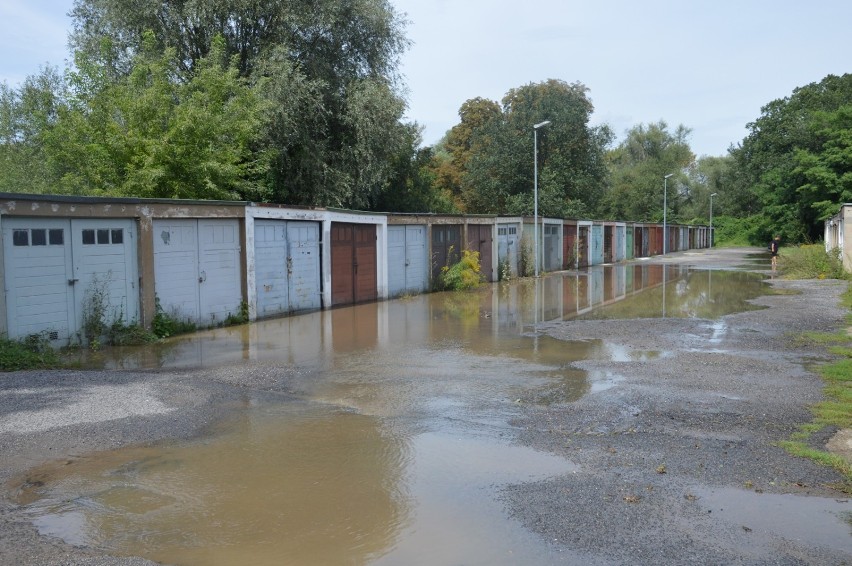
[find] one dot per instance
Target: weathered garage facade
(509, 231)
(60, 253)
(408, 258)
(206, 260)
(303, 259)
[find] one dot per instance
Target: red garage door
(353, 263)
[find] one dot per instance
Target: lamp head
(669, 175)
(541, 124)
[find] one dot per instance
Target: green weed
(811, 262)
(32, 352)
(165, 324)
(464, 275)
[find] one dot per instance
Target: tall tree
(27, 115)
(413, 187)
(496, 151)
(795, 158)
(639, 164)
(330, 63)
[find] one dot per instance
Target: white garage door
(287, 266)
(407, 260)
(197, 272)
(54, 267)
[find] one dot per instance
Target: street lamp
(665, 210)
(535, 188)
(711, 218)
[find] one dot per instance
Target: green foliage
(463, 275)
(95, 311)
(26, 115)
(526, 258)
(326, 72)
(242, 317)
(121, 334)
(103, 327)
(836, 410)
(33, 352)
(505, 270)
(638, 167)
(490, 165)
(733, 231)
(169, 324)
(148, 135)
(811, 262)
(827, 171)
(413, 186)
(796, 158)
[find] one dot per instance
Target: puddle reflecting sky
(396, 441)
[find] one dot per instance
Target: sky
(709, 65)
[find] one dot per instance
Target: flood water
(396, 442)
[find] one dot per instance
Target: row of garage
(204, 261)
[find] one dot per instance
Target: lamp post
(665, 210)
(535, 188)
(711, 218)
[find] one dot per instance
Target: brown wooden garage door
(353, 263)
(479, 240)
(446, 247)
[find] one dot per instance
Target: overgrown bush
(731, 231)
(526, 260)
(165, 324)
(811, 262)
(241, 317)
(95, 307)
(463, 275)
(33, 352)
(121, 334)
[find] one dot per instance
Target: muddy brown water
(398, 437)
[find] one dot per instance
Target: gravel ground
(676, 457)
(677, 461)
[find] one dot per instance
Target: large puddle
(398, 439)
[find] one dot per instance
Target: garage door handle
(203, 277)
(71, 282)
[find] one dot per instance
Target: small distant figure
(774, 246)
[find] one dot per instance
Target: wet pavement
(393, 434)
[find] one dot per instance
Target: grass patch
(835, 410)
(811, 262)
(802, 450)
(821, 338)
(33, 352)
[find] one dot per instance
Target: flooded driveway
(451, 428)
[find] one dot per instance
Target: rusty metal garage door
(446, 246)
(480, 239)
(353, 263)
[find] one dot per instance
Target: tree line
(300, 102)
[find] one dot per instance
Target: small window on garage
(56, 237)
(103, 236)
(501, 231)
(513, 230)
(21, 238)
(38, 237)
